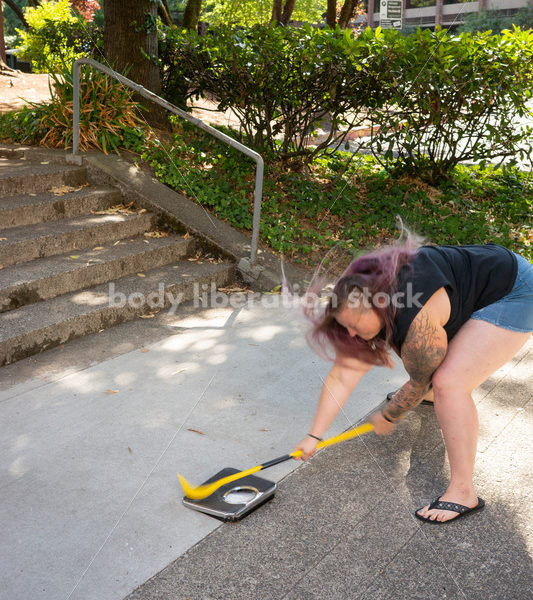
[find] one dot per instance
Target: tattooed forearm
(405, 399)
(423, 351)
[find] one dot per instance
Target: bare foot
(468, 498)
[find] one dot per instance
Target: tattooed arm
(422, 352)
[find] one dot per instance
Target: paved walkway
(91, 505)
(342, 526)
(93, 434)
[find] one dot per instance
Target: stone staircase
(74, 260)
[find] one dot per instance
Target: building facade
(445, 13)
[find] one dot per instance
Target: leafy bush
(304, 215)
(452, 99)
(279, 82)
(57, 36)
(109, 119)
(436, 100)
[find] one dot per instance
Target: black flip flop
(426, 402)
(458, 508)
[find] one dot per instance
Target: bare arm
(423, 351)
(340, 382)
(342, 379)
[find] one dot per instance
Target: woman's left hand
(381, 425)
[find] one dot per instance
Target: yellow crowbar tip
(203, 491)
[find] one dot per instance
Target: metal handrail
(75, 157)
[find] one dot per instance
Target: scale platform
(234, 500)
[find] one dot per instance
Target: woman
(454, 314)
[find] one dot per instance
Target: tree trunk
(287, 12)
(331, 15)
(130, 41)
(16, 9)
(164, 12)
(191, 16)
(347, 12)
(277, 9)
(281, 14)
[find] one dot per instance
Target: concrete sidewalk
(92, 437)
(342, 526)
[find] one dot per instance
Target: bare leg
(478, 349)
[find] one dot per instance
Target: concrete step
(6, 152)
(49, 277)
(18, 176)
(16, 211)
(22, 244)
(36, 327)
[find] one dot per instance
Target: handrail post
(259, 169)
(76, 113)
(76, 158)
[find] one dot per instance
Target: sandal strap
(441, 505)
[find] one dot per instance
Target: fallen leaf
(141, 211)
(263, 430)
(98, 248)
(148, 316)
(112, 391)
(155, 234)
(3, 239)
(116, 243)
(195, 431)
(74, 256)
(187, 236)
(124, 209)
(62, 189)
(145, 350)
(141, 275)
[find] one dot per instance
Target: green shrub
(109, 119)
(436, 100)
(303, 215)
(452, 99)
(279, 82)
(57, 36)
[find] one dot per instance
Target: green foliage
(57, 36)
(253, 12)
(279, 82)
(435, 100)
(109, 119)
(304, 215)
(496, 22)
(460, 104)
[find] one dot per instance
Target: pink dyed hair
(373, 272)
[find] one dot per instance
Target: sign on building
(390, 14)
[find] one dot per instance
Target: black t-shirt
(473, 276)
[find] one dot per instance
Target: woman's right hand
(307, 446)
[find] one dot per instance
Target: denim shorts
(515, 310)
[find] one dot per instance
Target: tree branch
(16, 9)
